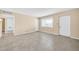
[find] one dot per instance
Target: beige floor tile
(37, 41)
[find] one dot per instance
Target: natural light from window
(47, 22)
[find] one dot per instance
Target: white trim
(14, 25)
(24, 33)
(49, 33)
(65, 36)
(55, 33)
(74, 38)
(61, 35)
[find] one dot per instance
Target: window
(10, 24)
(47, 22)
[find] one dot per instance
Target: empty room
(39, 29)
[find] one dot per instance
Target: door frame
(5, 17)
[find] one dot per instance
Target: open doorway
(3, 25)
(8, 25)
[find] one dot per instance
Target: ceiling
(36, 12)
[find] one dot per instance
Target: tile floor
(38, 41)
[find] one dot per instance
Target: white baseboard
(74, 38)
(49, 33)
(55, 33)
(24, 33)
(71, 37)
(44, 32)
(62, 35)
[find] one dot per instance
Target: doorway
(8, 26)
(64, 23)
(3, 25)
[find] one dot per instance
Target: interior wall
(0, 28)
(22, 23)
(25, 24)
(74, 26)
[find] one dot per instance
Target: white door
(65, 25)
